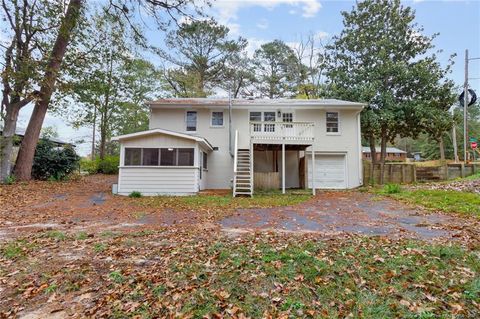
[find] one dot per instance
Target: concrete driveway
(349, 212)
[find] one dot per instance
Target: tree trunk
(6, 142)
(23, 167)
(442, 149)
(373, 156)
(383, 155)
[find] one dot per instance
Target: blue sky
(458, 23)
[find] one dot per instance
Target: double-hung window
(217, 119)
(256, 117)
(332, 122)
(191, 121)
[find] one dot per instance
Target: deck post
(313, 171)
(283, 167)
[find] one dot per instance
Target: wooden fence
(266, 180)
(407, 173)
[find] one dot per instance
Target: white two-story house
(240, 144)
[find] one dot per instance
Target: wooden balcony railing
(288, 131)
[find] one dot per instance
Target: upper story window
(217, 118)
(191, 121)
(332, 122)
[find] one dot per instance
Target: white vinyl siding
(158, 180)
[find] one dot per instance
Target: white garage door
(329, 171)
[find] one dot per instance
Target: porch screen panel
(168, 156)
(133, 156)
(185, 156)
(150, 157)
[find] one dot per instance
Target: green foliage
(443, 200)
(135, 194)
(382, 58)
(116, 277)
(391, 189)
(89, 166)
(200, 49)
(10, 179)
(275, 64)
(51, 162)
(109, 165)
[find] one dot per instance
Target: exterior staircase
(243, 178)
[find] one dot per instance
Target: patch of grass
(222, 202)
(391, 189)
(443, 200)
(99, 247)
(116, 277)
(81, 235)
(109, 234)
(51, 289)
(14, 249)
(56, 234)
(135, 194)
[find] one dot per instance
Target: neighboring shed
(393, 154)
(162, 162)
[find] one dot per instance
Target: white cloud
(321, 35)
(254, 44)
(262, 24)
(226, 10)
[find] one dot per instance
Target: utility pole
(465, 113)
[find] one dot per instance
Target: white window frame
(196, 121)
(262, 119)
(339, 123)
(211, 119)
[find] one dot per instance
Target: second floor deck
(282, 132)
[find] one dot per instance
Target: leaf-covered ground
(71, 249)
(173, 273)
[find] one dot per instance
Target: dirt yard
(73, 250)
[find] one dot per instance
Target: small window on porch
(332, 122)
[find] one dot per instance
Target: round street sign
(473, 145)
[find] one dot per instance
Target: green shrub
(109, 165)
(392, 189)
(135, 194)
(53, 163)
(10, 179)
(89, 166)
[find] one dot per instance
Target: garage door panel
(330, 171)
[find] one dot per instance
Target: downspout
(230, 122)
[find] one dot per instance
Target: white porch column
(283, 168)
(313, 171)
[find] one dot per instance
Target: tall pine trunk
(373, 156)
(383, 155)
(23, 167)
(442, 149)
